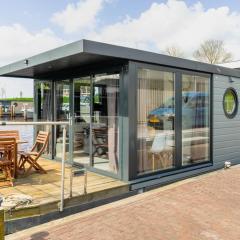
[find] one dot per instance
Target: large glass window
(155, 120)
(62, 108)
(105, 131)
(195, 119)
(44, 100)
(81, 120)
(43, 109)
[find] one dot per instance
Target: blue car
(194, 112)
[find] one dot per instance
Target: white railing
(64, 125)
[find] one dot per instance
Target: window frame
(133, 163)
(235, 95)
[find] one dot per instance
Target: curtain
(112, 96)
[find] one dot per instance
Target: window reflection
(105, 130)
(81, 120)
(156, 113)
(62, 99)
(195, 119)
(44, 109)
(44, 101)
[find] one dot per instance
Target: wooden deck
(45, 190)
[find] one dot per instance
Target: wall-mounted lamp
(230, 80)
(26, 61)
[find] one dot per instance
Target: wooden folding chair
(32, 157)
(9, 147)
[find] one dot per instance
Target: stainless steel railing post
(71, 182)
(63, 168)
(85, 181)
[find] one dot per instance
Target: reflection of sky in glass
(13, 87)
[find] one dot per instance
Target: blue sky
(36, 14)
(30, 27)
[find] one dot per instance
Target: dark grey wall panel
(219, 118)
(221, 86)
(226, 137)
(226, 144)
(224, 125)
(230, 157)
(226, 132)
(226, 150)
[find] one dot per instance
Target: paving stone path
(202, 208)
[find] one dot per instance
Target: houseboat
(141, 117)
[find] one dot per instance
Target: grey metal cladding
(78, 51)
(226, 132)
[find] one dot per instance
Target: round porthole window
(230, 103)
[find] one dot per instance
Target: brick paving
(202, 208)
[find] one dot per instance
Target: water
(25, 132)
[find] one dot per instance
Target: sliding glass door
(195, 119)
(173, 119)
(95, 122)
(92, 102)
(62, 113)
(43, 110)
(155, 124)
(105, 114)
(81, 120)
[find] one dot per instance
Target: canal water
(26, 133)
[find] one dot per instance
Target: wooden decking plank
(45, 189)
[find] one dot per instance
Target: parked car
(194, 112)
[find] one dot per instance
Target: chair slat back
(9, 148)
(41, 143)
(10, 133)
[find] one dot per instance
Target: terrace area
(45, 189)
(204, 207)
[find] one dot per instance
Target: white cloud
(175, 23)
(78, 17)
(161, 25)
(16, 42)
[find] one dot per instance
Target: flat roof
(85, 52)
(233, 64)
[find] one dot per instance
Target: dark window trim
(234, 113)
(103, 69)
(178, 72)
(85, 71)
(174, 171)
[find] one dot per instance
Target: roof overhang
(85, 53)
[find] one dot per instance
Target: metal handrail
(64, 124)
(7, 123)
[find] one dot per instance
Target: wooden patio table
(15, 163)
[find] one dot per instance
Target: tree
(174, 51)
(21, 94)
(212, 51)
